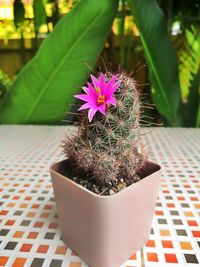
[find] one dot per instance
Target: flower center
(101, 99)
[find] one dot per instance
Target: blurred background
(25, 24)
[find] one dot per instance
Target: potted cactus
(106, 189)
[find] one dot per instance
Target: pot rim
(123, 191)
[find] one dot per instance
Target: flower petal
(110, 83)
(102, 109)
(85, 89)
(83, 97)
(117, 84)
(85, 106)
(91, 113)
(102, 84)
(111, 101)
(95, 81)
(113, 90)
(92, 91)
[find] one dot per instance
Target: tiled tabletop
(29, 230)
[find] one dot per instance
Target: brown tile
(191, 258)
(11, 245)
(37, 262)
(56, 263)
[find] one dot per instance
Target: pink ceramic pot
(105, 230)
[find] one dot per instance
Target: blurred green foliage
(4, 85)
(177, 101)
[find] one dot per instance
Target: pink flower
(98, 95)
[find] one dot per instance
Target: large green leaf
(198, 118)
(4, 85)
(193, 103)
(159, 55)
(43, 87)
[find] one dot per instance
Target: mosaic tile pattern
(29, 230)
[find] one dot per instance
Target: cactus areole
(106, 150)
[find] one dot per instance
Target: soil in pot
(88, 181)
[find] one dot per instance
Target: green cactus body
(108, 148)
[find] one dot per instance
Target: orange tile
(28, 198)
(4, 212)
(188, 214)
(197, 206)
(23, 205)
(192, 223)
(3, 260)
(18, 234)
(31, 214)
(53, 226)
(196, 233)
(75, 264)
(26, 247)
(194, 198)
(10, 222)
(35, 206)
(171, 258)
(186, 245)
(181, 198)
(170, 205)
(38, 224)
(21, 191)
(48, 207)
(11, 205)
(44, 215)
(166, 191)
(133, 257)
(32, 235)
(159, 212)
(164, 232)
(43, 249)
(152, 257)
(167, 244)
(16, 197)
(19, 262)
(150, 243)
(61, 250)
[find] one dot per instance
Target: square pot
(105, 230)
